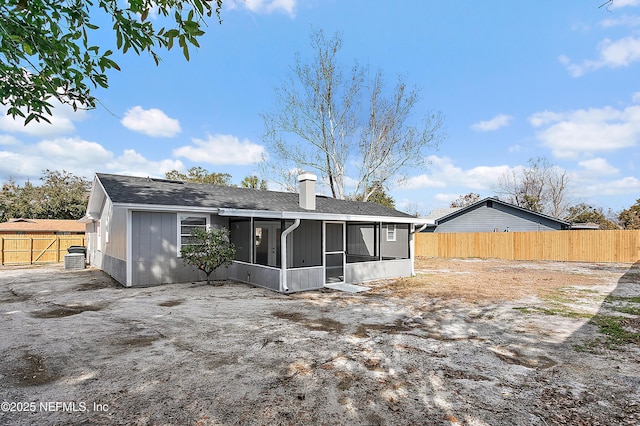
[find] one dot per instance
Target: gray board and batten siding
(154, 250)
(495, 216)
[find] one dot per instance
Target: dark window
(267, 242)
(362, 242)
(240, 236)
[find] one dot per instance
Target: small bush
(208, 250)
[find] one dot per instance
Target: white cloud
(446, 198)
(595, 179)
(612, 54)
(621, 21)
(266, 6)
(8, 140)
(618, 4)
(151, 122)
(635, 97)
(598, 167)
(542, 118)
(626, 186)
(495, 123)
(577, 132)
(73, 152)
(80, 157)
(350, 183)
(443, 173)
(61, 122)
(133, 164)
(222, 149)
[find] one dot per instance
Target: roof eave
(268, 214)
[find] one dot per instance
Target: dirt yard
(477, 342)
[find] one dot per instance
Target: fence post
(31, 251)
(1, 250)
(58, 249)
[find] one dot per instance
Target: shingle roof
(42, 225)
(137, 190)
(441, 212)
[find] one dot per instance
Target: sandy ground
(477, 342)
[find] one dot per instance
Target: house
(41, 227)
(492, 215)
(285, 242)
(585, 226)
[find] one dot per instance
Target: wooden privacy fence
(574, 246)
(37, 249)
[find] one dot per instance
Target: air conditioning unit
(74, 261)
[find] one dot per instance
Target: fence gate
(34, 250)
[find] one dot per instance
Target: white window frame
(391, 232)
(98, 235)
(180, 218)
(107, 227)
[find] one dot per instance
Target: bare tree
(316, 118)
(388, 144)
(540, 187)
(322, 123)
(557, 186)
(465, 200)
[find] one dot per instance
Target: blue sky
(513, 80)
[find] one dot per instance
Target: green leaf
(27, 48)
(13, 112)
(185, 51)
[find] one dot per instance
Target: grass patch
(591, 346)
(586, 290)
(560, 311)
(629, 299)
(558, 298)
(614, 328)
(631, 310)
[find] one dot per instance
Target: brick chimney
(307, 190)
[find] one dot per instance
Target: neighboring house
(590, 226)
(286, 242)
(41, 227)
(492, 215)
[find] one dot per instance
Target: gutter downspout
(412, 248)
(283, 255)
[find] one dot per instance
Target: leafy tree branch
(46, 48)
